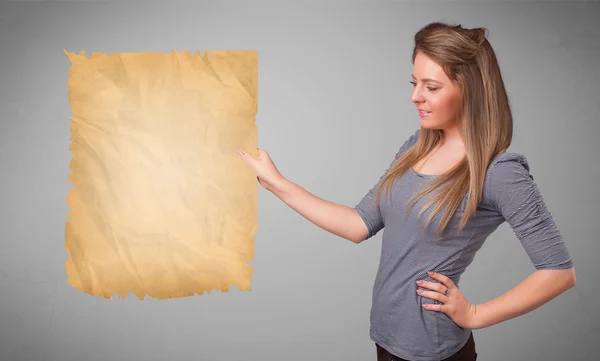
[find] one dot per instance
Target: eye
(413, 83)
(432, 89)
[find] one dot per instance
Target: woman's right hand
(266, 172)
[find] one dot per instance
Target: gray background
(333, 109)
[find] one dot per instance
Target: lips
(423, 112)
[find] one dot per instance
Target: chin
(432, 124)
(427, 124)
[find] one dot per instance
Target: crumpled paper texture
(161, 203)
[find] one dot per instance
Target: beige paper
(161, 203)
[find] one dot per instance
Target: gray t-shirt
(408, 251)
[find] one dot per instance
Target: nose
(416, 96)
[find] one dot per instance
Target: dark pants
(466, 353)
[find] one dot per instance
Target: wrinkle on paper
(161, 203)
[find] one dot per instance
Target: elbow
(356, 239)
(359, 233)
(359, 236)
(572, 277)
(563, 279)
(568, 278)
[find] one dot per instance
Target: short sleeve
(366, 208)
(511, 190)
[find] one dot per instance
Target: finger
(432, 286)
(251, 161)
(443, 279)
(434, 295)
(434, 307)
(245, 155)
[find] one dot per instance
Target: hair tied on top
(480, 36)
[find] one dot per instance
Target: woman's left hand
(454, 304)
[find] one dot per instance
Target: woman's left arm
(510, 190)
(537, 289)
(513, 192)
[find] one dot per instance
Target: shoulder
(414, 137)
(508, 164)
(508, 176)
(412, 140)
(408, 143)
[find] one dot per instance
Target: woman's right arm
(335, 218)
(354, 224)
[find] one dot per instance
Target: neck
(453, 137)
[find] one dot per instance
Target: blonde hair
(468, 59)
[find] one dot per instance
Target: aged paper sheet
(161, 203)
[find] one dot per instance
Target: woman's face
(436, 96)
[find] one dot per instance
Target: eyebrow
(428, 79)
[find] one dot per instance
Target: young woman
(451, 184)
